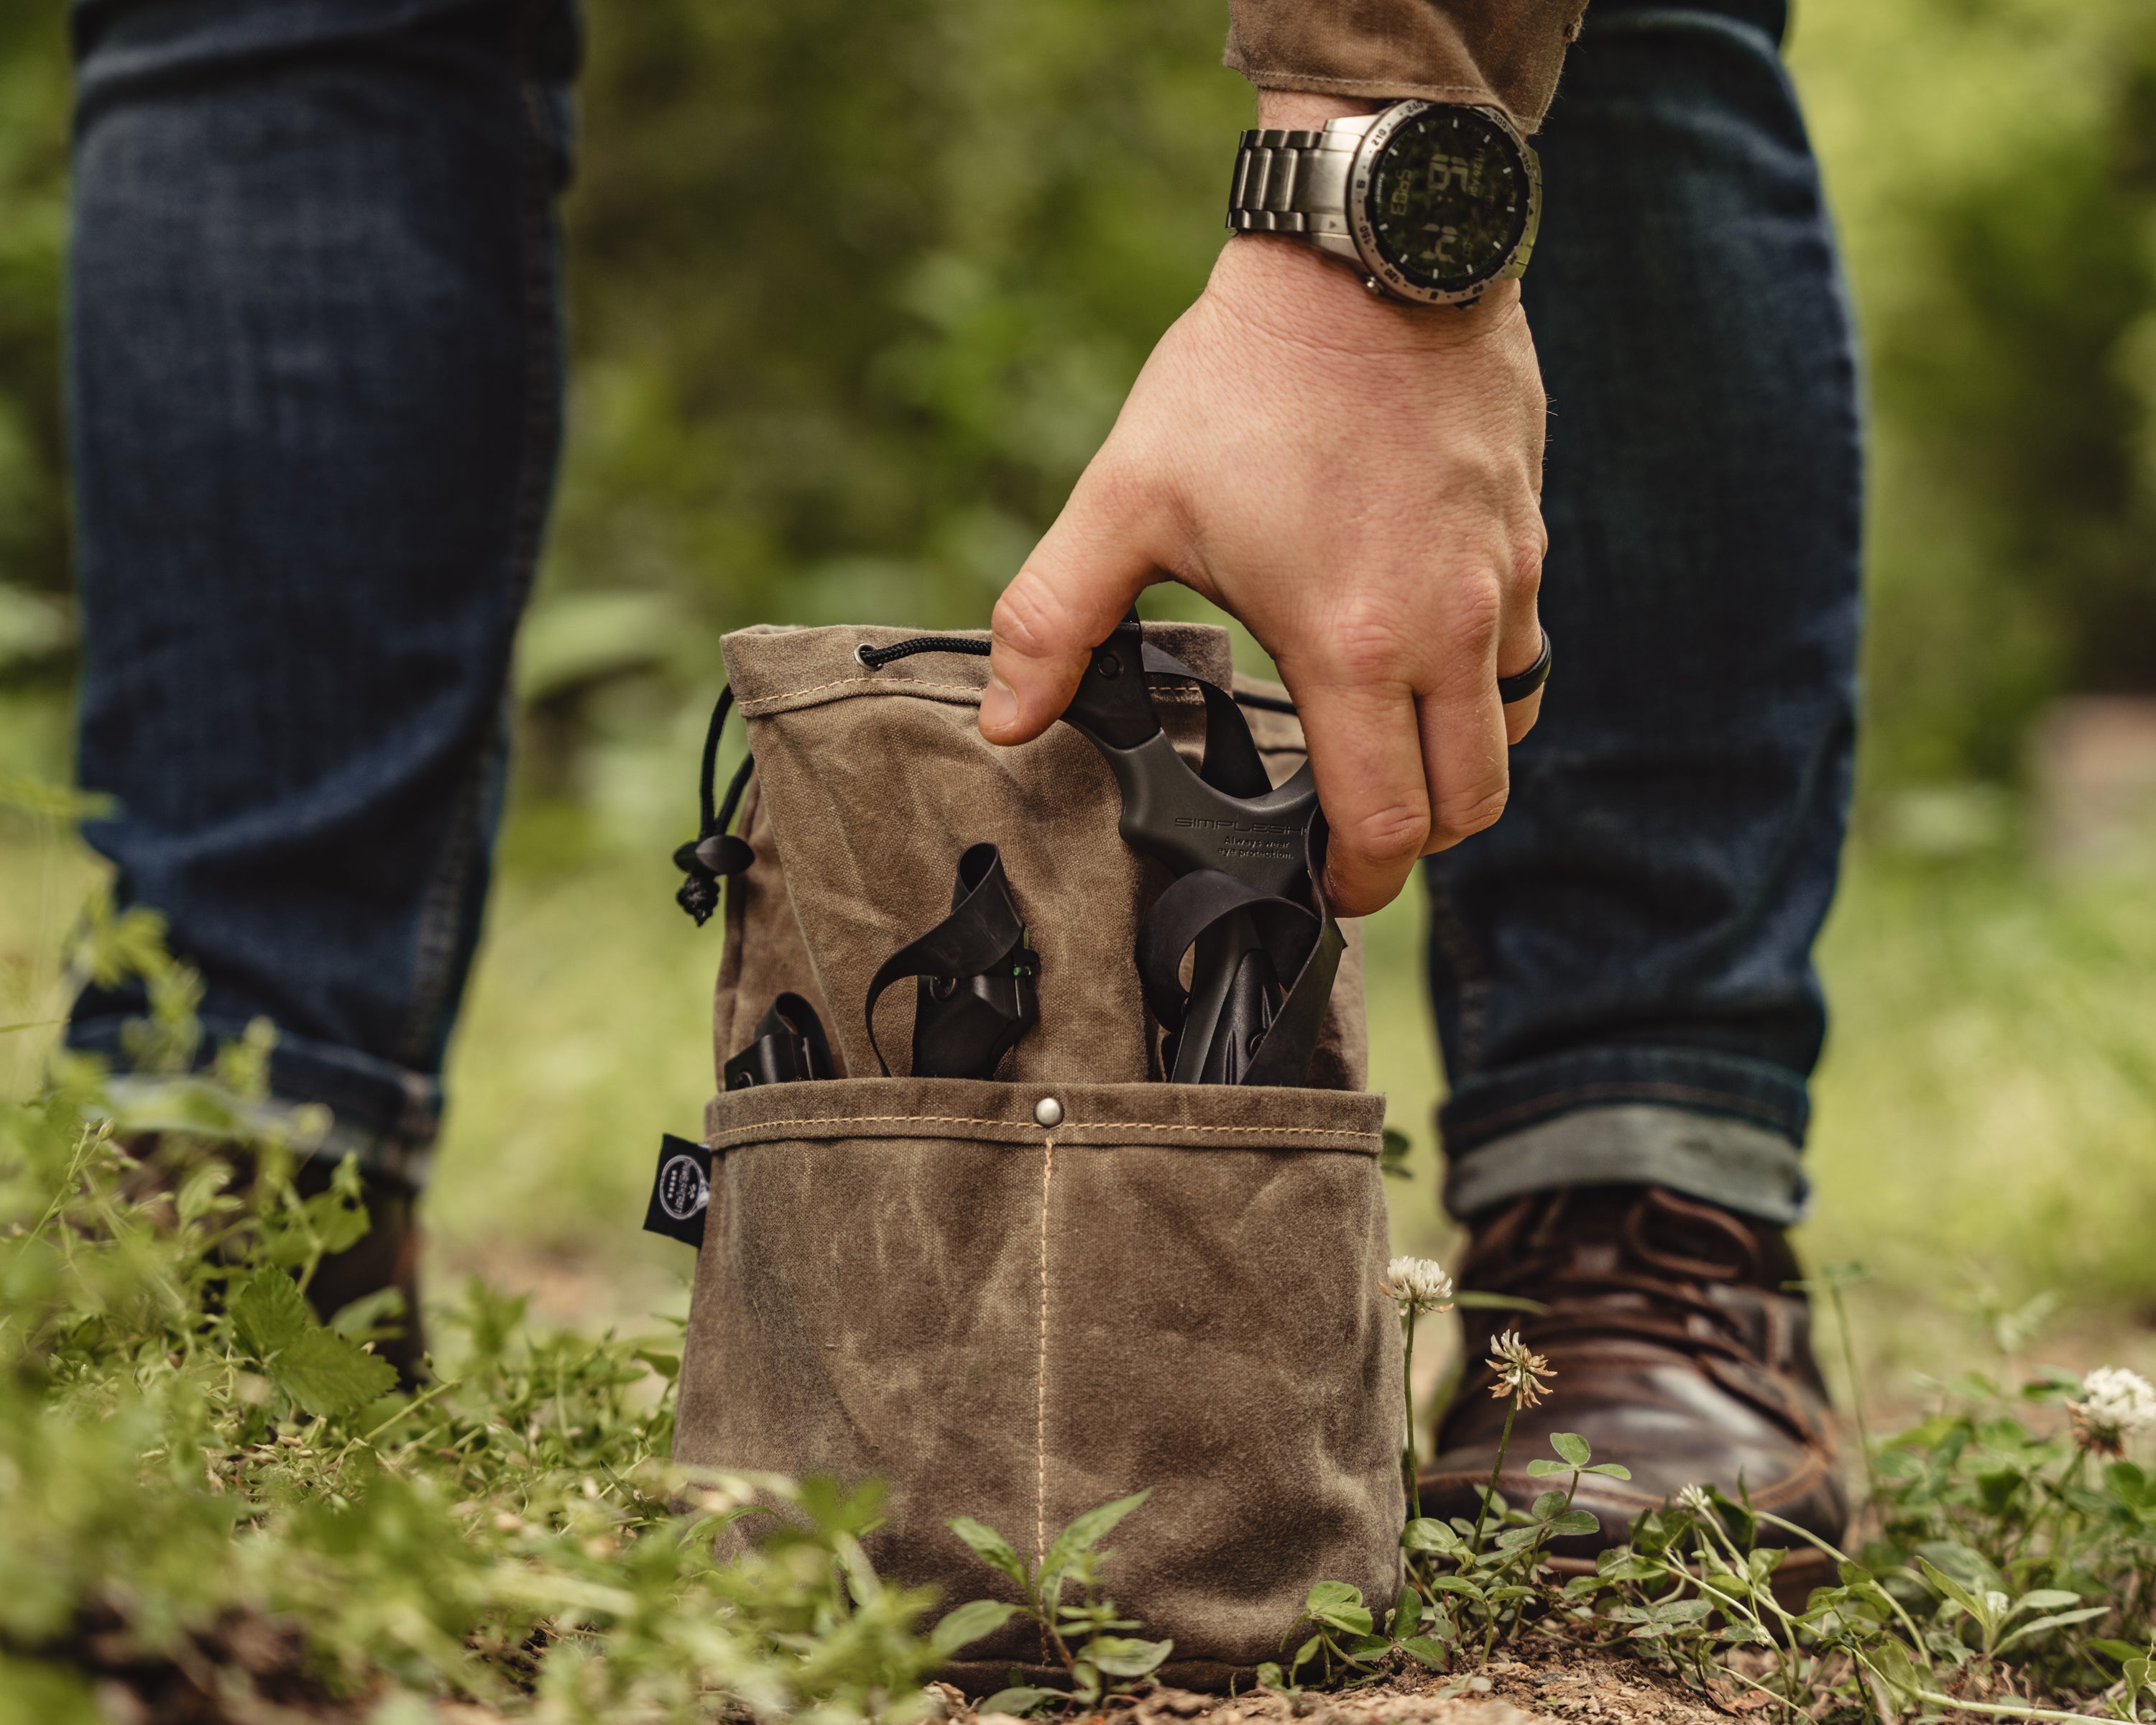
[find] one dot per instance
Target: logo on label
(684, 1187)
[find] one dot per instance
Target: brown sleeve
(1504, 52)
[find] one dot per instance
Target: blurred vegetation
(1993, 166)
(854, 375)
(856, 292)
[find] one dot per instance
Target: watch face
(1448, 198)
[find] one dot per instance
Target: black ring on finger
(1517, 687)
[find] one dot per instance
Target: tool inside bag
(1091, 1209)
(1243, 914)
(1249, 899)
(976, 969)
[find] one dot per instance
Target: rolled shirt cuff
(1505, 52)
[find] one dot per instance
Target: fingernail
(999, 707)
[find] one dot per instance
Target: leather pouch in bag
(1172, 1286)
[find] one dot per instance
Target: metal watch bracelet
(1296, 182)
(1321, 187)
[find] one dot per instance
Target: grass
(1983, 1146)
(215, 1500)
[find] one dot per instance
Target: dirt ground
(249, 1673)
(1543, 1685)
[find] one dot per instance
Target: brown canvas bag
(1166, 1287)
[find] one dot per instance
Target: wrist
(1286, 290)
(1307, 110)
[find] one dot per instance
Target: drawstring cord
(714, 853)
(877, 658)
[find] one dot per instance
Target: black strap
(1268, 1036)
(789, 1047)
(1231, 764)
(977, 995)
(714, 853)
(1199, 901)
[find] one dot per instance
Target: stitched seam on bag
(1304, 1131)
(877, 685)
(1040, 1374)
(1135, 1125)
(887, 685)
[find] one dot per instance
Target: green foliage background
(852, 373)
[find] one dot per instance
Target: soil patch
(1539, 1685)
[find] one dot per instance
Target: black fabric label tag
(680, 1191)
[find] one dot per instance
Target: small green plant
(2010, 1561)
(206, 1489)
(1088, 1638)
(1346, 1644)
(1416, 1286)
(1486, 1592)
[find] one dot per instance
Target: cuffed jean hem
(1726, 1162)
(384, 1114)
(1721, 1127)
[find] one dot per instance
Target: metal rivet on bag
(1048, 1111)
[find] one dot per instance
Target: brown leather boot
(1675, 1352)
(386, 1256)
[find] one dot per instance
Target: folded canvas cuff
(1508, 52)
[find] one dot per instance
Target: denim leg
(316, 381)
(1622, 965)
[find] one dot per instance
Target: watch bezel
(1382, 272)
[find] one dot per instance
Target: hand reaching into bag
(1359, 481)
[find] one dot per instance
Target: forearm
(1354, 477)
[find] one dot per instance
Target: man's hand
(1359, 481)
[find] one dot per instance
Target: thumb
(1076, 587)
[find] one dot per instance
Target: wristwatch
(1431, 202)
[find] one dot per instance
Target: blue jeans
(1622, 965)
(317, 381)
(316, 396)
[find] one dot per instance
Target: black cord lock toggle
(714, 853)
(977, 975)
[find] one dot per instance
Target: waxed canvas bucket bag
(1017, 1298)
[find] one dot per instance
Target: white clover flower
(1417, 1286)
(2114, 1405)
(1520, 1371)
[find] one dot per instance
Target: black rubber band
(1521, 685)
